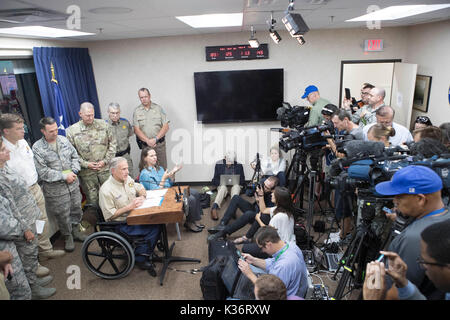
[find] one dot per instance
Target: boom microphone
(363, 149)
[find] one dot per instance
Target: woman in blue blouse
(154, 177)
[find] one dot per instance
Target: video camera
(368, 163)
(305, 138)
(292, 117)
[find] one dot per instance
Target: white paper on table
(40, 226)
(152, 202)
(156, 193)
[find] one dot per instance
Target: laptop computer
(229, 179)
(236, 283)
(333, 260)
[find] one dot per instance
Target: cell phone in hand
(240, 255)
(347, 94)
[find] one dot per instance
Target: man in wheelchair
(117, 197)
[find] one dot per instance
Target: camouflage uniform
(122, 130)
(10, 231)
(25, 210)
(62, 199)
(150, 122)
(93, 143)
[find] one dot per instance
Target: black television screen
(238, 96)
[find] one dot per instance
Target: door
(403, 85)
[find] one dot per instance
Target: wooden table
(170, 211)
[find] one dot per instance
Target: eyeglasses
(423, 119)
(422, 263)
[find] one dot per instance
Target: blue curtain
(75, 81)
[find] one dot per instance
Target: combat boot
(77, 234)
(69, 246)
(42, 282)
(50, 254)
(38, 292)
(42, 271)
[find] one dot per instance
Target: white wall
(429, 47)
(166, 65)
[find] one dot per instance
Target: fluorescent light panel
(39, 31)
(398, 12)
(213, 20)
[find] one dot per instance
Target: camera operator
(385, 115)
(381, 133)
(343, 200)
(263, 197)
(417, 194)
(312, 95)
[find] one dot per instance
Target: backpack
(211, 282)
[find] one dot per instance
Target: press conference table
(170, 211)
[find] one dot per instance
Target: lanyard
(432, 213)
(282, 251)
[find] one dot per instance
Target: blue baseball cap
(308, 90)
(411, 180)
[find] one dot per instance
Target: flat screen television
(238, 96)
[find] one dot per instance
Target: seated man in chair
(117, 197)
(226, 166)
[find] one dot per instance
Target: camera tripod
(362, 249)
(303, 176)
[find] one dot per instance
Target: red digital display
(236, 52)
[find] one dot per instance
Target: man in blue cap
(417, 194)
(313, 96)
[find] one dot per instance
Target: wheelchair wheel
(108, 255)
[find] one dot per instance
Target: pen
(380, 258)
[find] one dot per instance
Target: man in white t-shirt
(385, 116)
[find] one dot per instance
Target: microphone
(363, 149)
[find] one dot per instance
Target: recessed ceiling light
(39, 31)
(398, 12)
(213, 20)
(110, 10)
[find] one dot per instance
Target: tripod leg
(349, 263)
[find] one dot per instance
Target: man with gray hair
(228, 165)
(122, 130)
(57, 165)
(96, 145)
(117, 197)
(385, 116)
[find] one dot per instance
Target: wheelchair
(109, 253)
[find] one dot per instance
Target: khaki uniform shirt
(150, 121)
(93, 143)
(122, 130)
(115, 195)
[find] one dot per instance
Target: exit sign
(373, 45)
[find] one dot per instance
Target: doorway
(396, 78)
(19, 93)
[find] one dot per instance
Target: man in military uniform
(24, 209)
(57, 165)
(96, 145)
(22, 162)
(151, 125)
(122, 130)
(10, 230)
